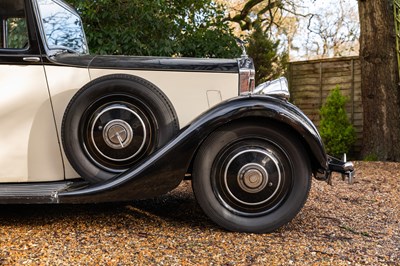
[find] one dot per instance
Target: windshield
(62, 27)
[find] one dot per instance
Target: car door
(29, 147)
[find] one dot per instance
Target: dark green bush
(336, 130)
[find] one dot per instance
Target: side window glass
(13, 25)
(16, 33)
(62, 27)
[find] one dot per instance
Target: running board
(36, 193)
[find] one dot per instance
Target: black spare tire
(113, 122)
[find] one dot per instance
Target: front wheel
(251, 178)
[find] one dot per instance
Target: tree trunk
(379, 81)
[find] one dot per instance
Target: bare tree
(333, 30)
(245, 13)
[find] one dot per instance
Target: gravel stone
(343, 224)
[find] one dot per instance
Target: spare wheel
(114, 122)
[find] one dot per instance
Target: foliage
(173, 28)
(335, 128)
(17, 33)
(371, 158)
(159, 28)
(268, 62)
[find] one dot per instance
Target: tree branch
(243, 18)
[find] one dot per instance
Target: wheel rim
(251, 177)
(116, 132)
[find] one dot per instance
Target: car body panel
(28, 138)
(148, 63)
(201, 82)
(189, 93)
(64, 82)
(192, 85)
(28, 156)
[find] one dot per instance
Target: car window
(62, 27)
(14, 30)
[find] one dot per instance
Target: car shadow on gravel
(178, 208)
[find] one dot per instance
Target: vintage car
(81, 128)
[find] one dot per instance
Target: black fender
(163, 170)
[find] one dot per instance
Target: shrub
(336, 130)
(371, 158)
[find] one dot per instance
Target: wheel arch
(300, 127)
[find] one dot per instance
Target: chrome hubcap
(117, 134)
(252, 178)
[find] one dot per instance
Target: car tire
(251, 178)
(114, 122)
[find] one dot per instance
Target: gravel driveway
(345, 224)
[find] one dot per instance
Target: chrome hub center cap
(253, 178)
(117, 134)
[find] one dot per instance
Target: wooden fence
(311, 81)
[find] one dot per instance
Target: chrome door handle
(31, 59)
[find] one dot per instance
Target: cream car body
(39, 95)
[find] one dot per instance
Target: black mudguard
(165, 169)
